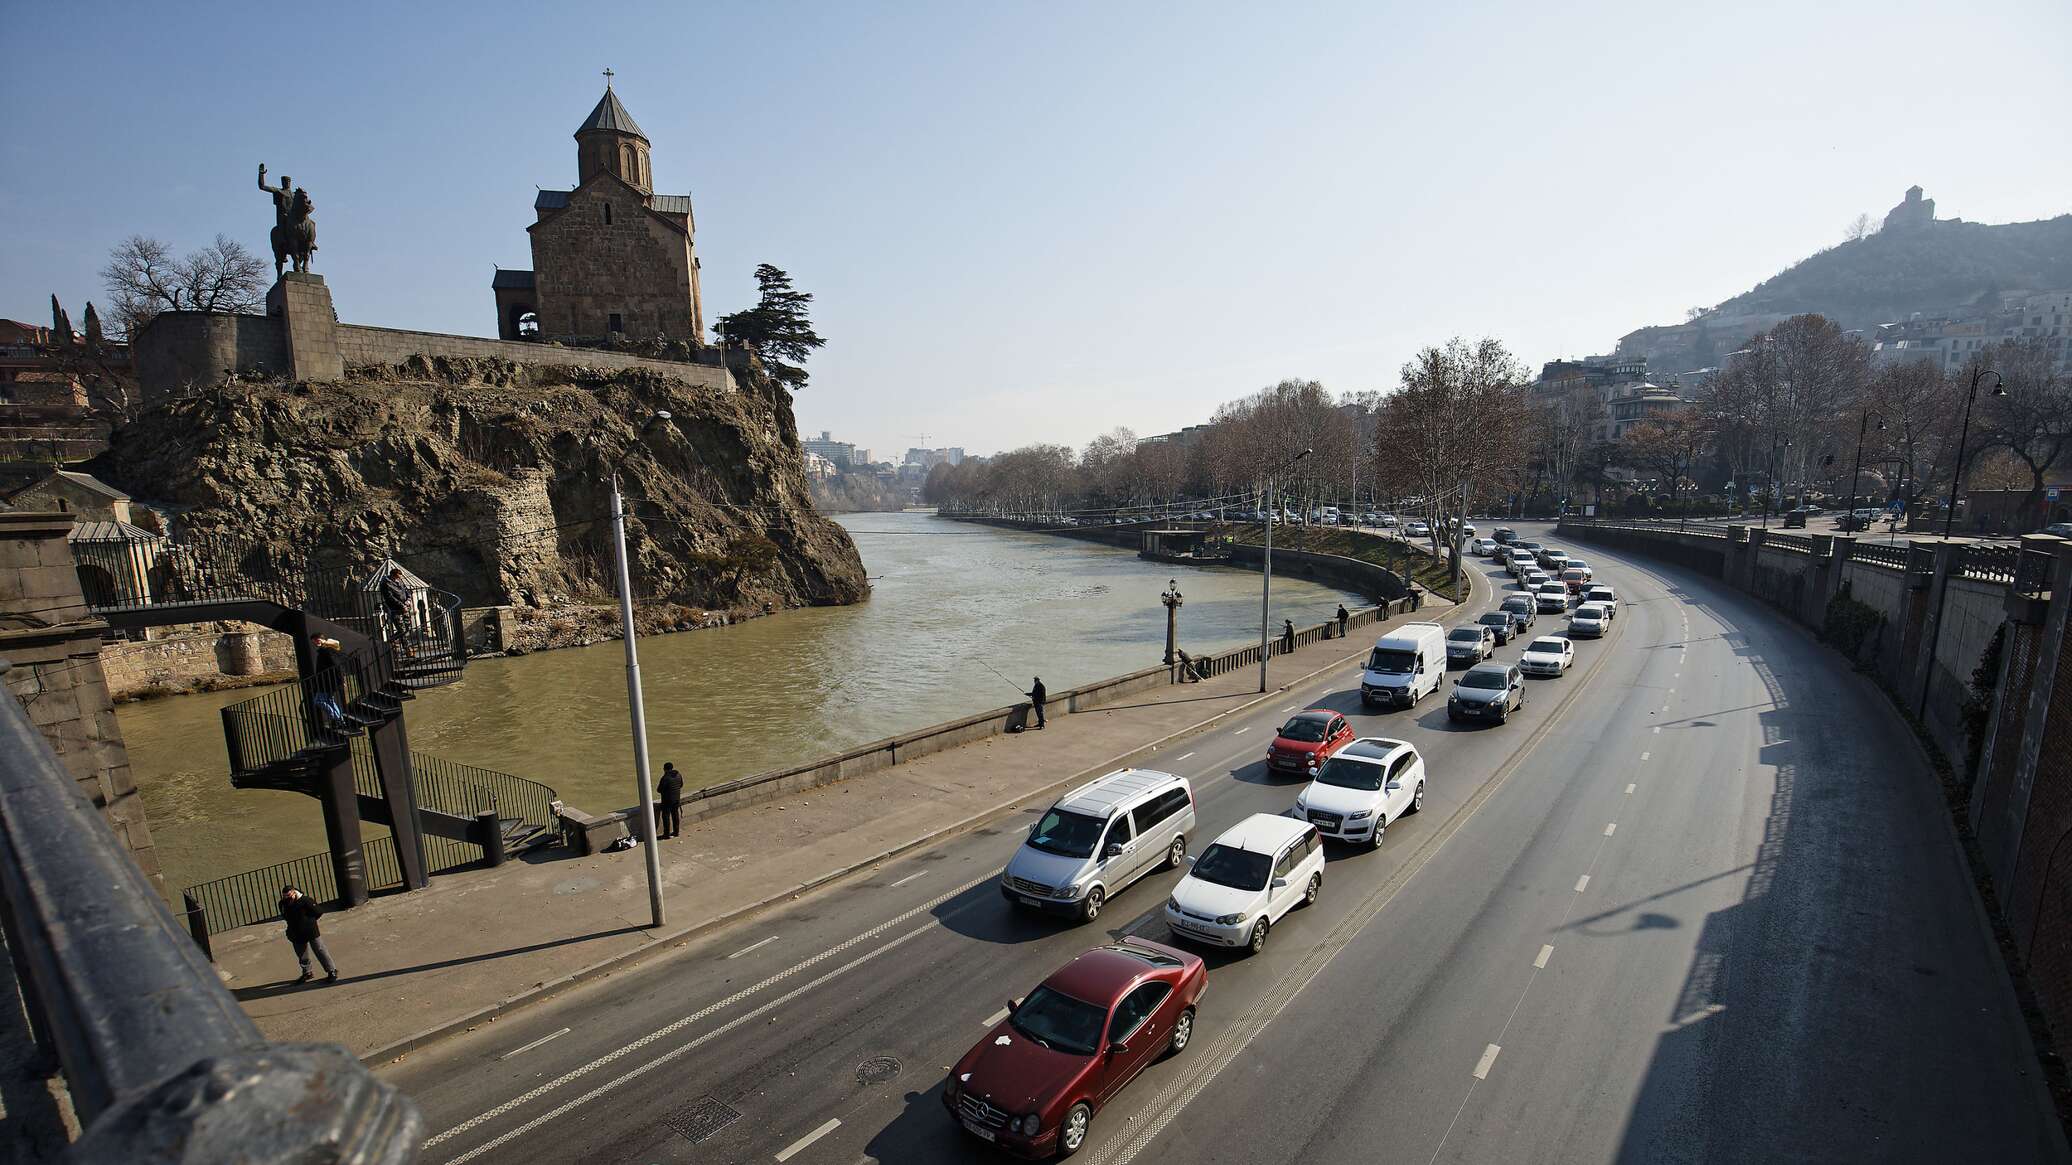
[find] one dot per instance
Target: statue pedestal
(309, 326)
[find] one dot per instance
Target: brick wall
(638, 265)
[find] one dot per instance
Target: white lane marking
(1629, 789)
(1177, 760)
(536, 1043)
(754, 945)
(1242, 731)
(1582, 882)
(809, 1138)
(1291, 707)
(1611, 829)
(1658, 730)
(1488, 1058)
(1546, 952)
(996, 1017)
(1646, 755)
(712, 1008)
(908, 878)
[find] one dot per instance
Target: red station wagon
(1035, 1082)
(1307, 739)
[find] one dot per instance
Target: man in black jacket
(1036, 697)
(301, 916)
(396, 603)
(671, 790)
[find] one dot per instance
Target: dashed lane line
(1242, 731)
(1488, 1059)
(1178, 759)
(908, 878)
(793, 1149)
(1546, 952)
(1582, 883)
(520, 1050)
(753, 946)
(1611, 828)
(1630, 787)
(1646, 755)
(994, 1018)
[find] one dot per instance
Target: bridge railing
(154, 1050)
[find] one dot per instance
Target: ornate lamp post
(1172, 601)
(1977, 374)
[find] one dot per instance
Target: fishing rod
(1010, 683)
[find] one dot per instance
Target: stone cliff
(493, 480)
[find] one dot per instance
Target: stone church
(610, 256)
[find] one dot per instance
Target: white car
(1603, 595)
(1534, 578)
(1552, 596)
(1259, 870)
(1578, 564)
(1588, 621)
(1361, 788)
(1483, 546)
(1549, 655)
(1417, 530)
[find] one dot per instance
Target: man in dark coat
(1344, 617)
(1287, 635)
(670, 788)
(301, 916)
(396, 602)
(1036, 697)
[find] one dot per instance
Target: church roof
(662, 203)
(610, 116)
(511, 279)
(109, 532)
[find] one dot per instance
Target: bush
(1847, 623)
(1978, 706)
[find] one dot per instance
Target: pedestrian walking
(1036, 697)
(1287, 635)
(1344, 617)
(327, 680)
(670, 788)
(301, 916)
(396, 603)
(1187, 672)
(1416, 596)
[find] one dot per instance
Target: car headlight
(1362, 815)
(1029, 1124)
(1173, 904)
(1229, 919)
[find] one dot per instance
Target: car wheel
(1183, 1031)
(1417, 798)
(1177, 853)
(1091, 908)
(1072, 1130)
(1316, 887)
(1259, 930)
(1381, 826)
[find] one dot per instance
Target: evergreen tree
(777, 327)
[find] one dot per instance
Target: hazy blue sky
(1037, 221)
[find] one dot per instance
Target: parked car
(1482, 546)
(1522, 610)
(2060, 529)
(1306, 740)
(1489, 691)
(1247, 880)
(1603, 595)
(1371, 782)
(1796, 519)
(1404, 666)
(1099, 838)
(1588, 621)
(1500, 624)
(1549, 655)
(1505, 535)
(1469, 645)
(1035, 1081)
(1552, 596)
(1417, 530)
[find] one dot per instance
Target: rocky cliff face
(493, 480)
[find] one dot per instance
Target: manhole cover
(701, 1118)
(877, 1070)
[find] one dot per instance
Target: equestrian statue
(294, 232)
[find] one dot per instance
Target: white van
(1406, 665)
(1099, 838)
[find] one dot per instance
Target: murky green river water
(948, 600)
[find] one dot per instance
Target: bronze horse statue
(294, 231)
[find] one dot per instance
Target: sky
(1033, 222)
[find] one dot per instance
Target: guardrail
(1789, 543)
(160, 1061)
(1889, 555)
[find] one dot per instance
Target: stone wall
(589, 265)
(195, 659)
(363, 346)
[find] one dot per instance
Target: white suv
(1265, 866)
(1362, 788)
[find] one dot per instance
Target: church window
(607, 214)
(616, 324)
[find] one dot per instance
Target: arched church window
(607, 214)
(528, 325)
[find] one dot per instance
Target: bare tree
(143, 278)
(1860, 227)
(1456, 426)
(2033, 422)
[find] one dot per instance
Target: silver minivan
(1099, 838)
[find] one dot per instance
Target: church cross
(608, 75)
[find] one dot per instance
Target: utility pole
(637, 709)
(1977, 373)
(1266, 567)
(1856, 475)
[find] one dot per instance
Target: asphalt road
(1697, 902)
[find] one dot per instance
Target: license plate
(1028, 901)
(981, 1132)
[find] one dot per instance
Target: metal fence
(1890, 555)
(254, 896)
(1789, 543)
(1989, 563)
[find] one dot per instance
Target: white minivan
(1099, 838)
(1406, 665)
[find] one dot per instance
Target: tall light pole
(1856, 475)
(1171, 598)
(1978, 373)
(636, 707)
(1266, 566)
(1770, 502)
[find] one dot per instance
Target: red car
(1033, 1085)
(1306, 739)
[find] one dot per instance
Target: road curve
(1698, 902)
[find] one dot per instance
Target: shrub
(1978, 705)
(1848, 622)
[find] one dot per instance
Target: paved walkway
(418, 966)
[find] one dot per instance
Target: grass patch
(1389, 553)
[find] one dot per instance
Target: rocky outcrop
(493, 480)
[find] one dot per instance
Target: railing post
(198, 925)
(492, 829)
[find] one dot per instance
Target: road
(1698, 902)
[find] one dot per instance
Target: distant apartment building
(1621, 385)
(841, 453)
(928, 459)
(1953, 342)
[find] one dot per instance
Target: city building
(1635, 404)
(610, 257)
(841, 453)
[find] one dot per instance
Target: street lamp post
(1856, 475)
(1770, 502)
(1977, 373)
(1266, 566)
(1172, 600)
(637, 709)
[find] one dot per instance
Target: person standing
(670, 788)
(1344, 617)
(395, 602)
(1036, 698)
(301, 916)
(327, 681)
(1287, 635)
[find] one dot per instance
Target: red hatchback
(1306, 739)
(1033, 1085)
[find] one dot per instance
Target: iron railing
(1889, 555)
(1789, 543)
(2032, 573)
(157, 1056)
(254, 896)
(124, 574)
(1989, 563)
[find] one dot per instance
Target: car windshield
(1480, 678)
(1070, 834)
(1465, 635)
(1059, 1022)
(1237, 868)
(1495, 619)
(1545, 647)
(1350, 774)
(1307, 729)
(1516, 603)
(1394, 662)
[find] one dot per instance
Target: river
(951, 604)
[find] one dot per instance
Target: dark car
(1500, 624)
(1487, 691)
(1795, 520)
(1307, 739)
(1034, 1083)
(1504, 535)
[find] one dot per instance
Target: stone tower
(609, 257)
(1913, 212)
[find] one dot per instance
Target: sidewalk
(419, 966)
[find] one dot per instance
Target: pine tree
(777, 327)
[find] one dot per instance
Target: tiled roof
(610, 115)
(551, 199)
(109, 532)
(89, 481)
(509, 279)
(670, 203)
